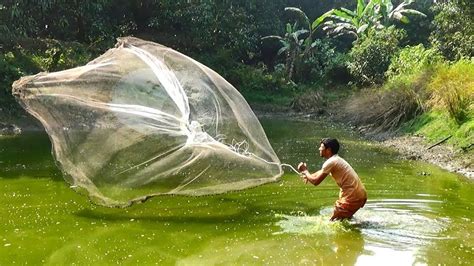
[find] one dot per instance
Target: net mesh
(143, 120)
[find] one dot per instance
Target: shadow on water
(200, 210)
(185, 219)
(28, 154)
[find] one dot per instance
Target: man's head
(328, 147)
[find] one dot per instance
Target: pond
(417, 213)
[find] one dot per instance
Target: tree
(377, 14)
(297, 44)
(453, 30)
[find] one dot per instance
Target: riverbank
(410, 147)
(442, 155)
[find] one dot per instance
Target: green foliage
(412, 59)
(453, 31)
(252, 79)
(419, 28)
(9, 70)
(398, 101)
(436, 125)
(297, 44)
(31, 57)
(452, 89)
(371, 57)
(58, 56)
(67, 20)
(375, 14)
(293, 47)
(205, 25)
(324, 63)
(307, 59)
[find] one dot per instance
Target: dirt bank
(446, 157)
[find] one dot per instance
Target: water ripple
(402, 223)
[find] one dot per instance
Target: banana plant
(297, 42)
(292, 46)
(389, 14)
(375, 14)
(353, 22)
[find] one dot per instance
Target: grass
(266, 98)
(436, 125)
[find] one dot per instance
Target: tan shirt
(352, 189)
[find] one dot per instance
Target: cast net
(143, 120)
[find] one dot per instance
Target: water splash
(402, 223)
(304, 224)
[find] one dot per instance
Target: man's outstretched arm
(315, 178)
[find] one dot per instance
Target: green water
(409, 219)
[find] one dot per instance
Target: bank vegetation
(387, 67)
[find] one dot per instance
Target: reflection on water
(395, 228)
(401, 223)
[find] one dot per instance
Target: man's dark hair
(332, 144)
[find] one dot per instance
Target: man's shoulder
(331, 160)
(336, 160)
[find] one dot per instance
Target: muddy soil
(445, 156)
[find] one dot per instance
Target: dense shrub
(385, 109)
(452, 89)
(9, 71)
(370, 57)
(256, 79)
(312, 101)
(324, 63)
(31, 56)
(59, 56)
(453, 31)
(412, 59)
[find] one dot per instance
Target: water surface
(417, 213)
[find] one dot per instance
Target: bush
(323, 63)
(57, 56)
(386, 109)
(9, 71)
(370, 58)
(453, 31)
(412, 59)
(251, 79)
(452, 89)
(32, 56)
(312, 101)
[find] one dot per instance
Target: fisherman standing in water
(352, 195)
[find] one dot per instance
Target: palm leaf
(349, 12)
(271, 37)
(362, 28)
(320, 19)
(360, 7)
(299, 13)
(341, 15)
(413, 11)
(289, 29)
(282, 50)
(341, 18)
(388, 5)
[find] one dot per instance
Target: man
(352, 195)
